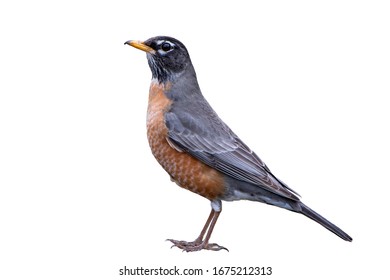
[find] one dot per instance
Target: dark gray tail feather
(324, 222)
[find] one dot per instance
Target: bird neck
(184, 86)
(163, 75)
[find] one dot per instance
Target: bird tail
(324, 222)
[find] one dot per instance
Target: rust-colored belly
(185, 170)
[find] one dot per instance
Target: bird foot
(196, 245)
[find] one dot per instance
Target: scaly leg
(200, 243)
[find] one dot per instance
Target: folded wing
(212, 142)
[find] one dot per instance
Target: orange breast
(184, 169)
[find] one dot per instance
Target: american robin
(199, 151)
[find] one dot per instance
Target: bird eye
(166, 46)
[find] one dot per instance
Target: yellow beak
(141, 46)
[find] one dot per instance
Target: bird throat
(158, 71)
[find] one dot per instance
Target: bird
(199, 151)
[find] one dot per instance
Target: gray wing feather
(212, 142)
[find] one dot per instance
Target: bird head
(167, 56)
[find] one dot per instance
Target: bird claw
(216, 247)
(186, 246)
(196, 246)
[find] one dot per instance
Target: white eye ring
(166, 47)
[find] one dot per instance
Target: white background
(304, 84)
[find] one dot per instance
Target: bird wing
(208, 139)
